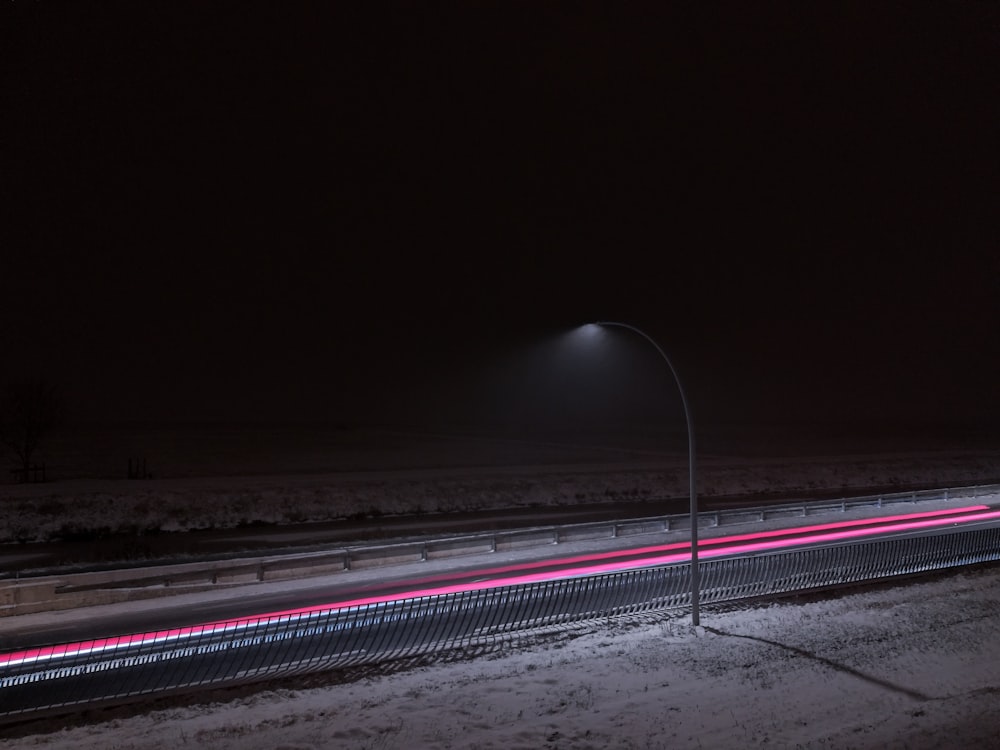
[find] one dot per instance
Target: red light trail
(577, 566)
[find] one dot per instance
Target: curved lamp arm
(695, 573)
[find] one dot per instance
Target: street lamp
(695, 577)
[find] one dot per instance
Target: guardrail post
(423, 552)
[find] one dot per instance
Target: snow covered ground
(238, 478)
(911, 665)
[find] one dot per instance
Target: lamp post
(695, 577)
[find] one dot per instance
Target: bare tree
(29, 410)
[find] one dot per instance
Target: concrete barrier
(28, 592)
(585, 533)
(642, 526)
(316, 565)
(457, 547)
(506, 541)
(388, 555)
(245, 574)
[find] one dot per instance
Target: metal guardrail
(509, 539)
(284, 567)
(707, 519)
(129, 667)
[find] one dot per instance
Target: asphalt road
(252, 600)
(408, 614)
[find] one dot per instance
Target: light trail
(654, 549)
(586, 565)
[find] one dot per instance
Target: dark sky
(241, 210)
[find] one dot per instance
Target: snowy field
(912, 665)
(228, 478)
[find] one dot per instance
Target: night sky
(388, 212)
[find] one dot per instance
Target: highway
(549, 560)
(334, 626)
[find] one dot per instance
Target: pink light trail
(609, 563)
